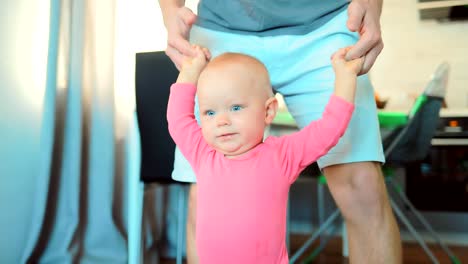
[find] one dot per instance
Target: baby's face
(232, 112)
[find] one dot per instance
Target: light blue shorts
(301, 71)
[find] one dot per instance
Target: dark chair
(409, 141)
(151, 149)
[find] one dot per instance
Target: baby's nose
(223, 119)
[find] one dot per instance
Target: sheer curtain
(69, 205)
(23, 53)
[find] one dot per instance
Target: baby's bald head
(242, 70)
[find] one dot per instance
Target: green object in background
(455, 260)
(392, 119)
(322, 179)
(417, 105)
(284, 118)
(395, 119)
(387, 119)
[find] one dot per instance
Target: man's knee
(358, 189)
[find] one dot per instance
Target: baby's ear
(271, 107)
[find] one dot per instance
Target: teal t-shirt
(267, 17)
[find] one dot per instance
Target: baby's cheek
(206, 133)
(256, 133)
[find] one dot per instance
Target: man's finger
(175, 56)
(370, 58)
(362, 46)
(188, 16)
(182, 46)
(355, 16)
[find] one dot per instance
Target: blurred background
(67, 98)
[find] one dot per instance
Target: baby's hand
(342, 66)
(193, 66)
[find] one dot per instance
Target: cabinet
(440, 182)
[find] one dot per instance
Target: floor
(412, 253)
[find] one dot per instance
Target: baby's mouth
(226, 136)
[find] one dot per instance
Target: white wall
(413, 49)
(139, 28)
(148, 24)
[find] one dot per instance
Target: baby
(242, 180)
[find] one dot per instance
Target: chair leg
(321, 208)
(135, 213)
(323, 225)
(344, 237)
(180, 223)
(320, 247)
(423, 221)
(314, 236)
(413, 231)
(135, 193)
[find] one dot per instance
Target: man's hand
(364, 18)
(178, 22)
(192, 66)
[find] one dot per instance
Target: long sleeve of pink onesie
(313, 141)
(182, 124)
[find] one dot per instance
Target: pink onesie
(241, 202)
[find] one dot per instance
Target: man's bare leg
(360, 193)
(192, 256)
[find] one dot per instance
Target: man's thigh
(305, 77)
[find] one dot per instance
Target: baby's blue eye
(236, 108)
(209, 112)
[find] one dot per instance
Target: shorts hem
(335, 159)
(184, 179)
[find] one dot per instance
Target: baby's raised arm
(182, 124)
(193, 66)
(346, 74)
